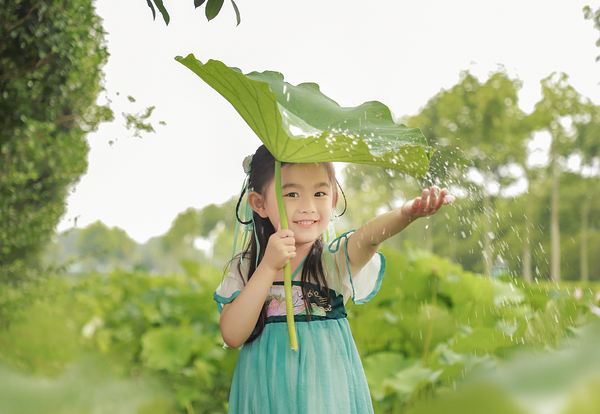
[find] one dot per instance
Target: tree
(579, 214)
(51, 54)
(111, 247)
(560, 105)
(478, 125)
(587, 129)
(215, 223)
(594, 16)
(535, 176)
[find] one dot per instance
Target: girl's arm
(238, 318)
(365, 241)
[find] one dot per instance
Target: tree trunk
(583, 259)
(554, 225)
(527, 242)
(487, 232)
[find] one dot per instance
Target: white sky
(398, 52)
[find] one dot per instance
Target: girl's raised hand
(281, 248)
(429, 203)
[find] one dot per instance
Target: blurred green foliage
(562, 381)
(51, 56)
(46, 366)
(432, 324)
(87, 387)
(431, 327)
(166, 324)
(511, 196)
(477, 126)
(97, 247)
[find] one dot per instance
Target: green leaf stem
(287, 270)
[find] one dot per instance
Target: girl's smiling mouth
(306, 223)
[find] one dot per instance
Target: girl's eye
(292, 195)
(320, 194)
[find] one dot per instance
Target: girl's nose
(308, 207)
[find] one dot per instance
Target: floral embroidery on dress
(276, 302)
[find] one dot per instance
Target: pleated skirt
(325, 374)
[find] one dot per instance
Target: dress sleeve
(365, 284)
(230, 287)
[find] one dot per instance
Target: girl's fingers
(424, 200)
(440, 199)
(416, 204)
(449, 199)
(429, 200)
(433, 194)
(432, 200)
(281, 248)
(285, 237)
(283, 233)
(429, 203)
(445, 198)
(288, 242)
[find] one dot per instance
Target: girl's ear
(257, 202)
(336, 197)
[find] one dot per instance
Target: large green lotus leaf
(390, 373)
(169, 348)
(300, 124)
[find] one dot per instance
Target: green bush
(164, 324)
(51, 58)
(432, 324)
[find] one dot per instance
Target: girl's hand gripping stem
(281, 248)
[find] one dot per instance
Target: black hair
(262, 172)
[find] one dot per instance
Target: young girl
(325, 374)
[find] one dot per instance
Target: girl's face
(308, 197)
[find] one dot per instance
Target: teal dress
(325, 374)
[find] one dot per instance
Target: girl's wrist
(406, 216)
(266, 270)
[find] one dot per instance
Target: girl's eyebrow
(294, 185)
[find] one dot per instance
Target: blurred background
(119, 175)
